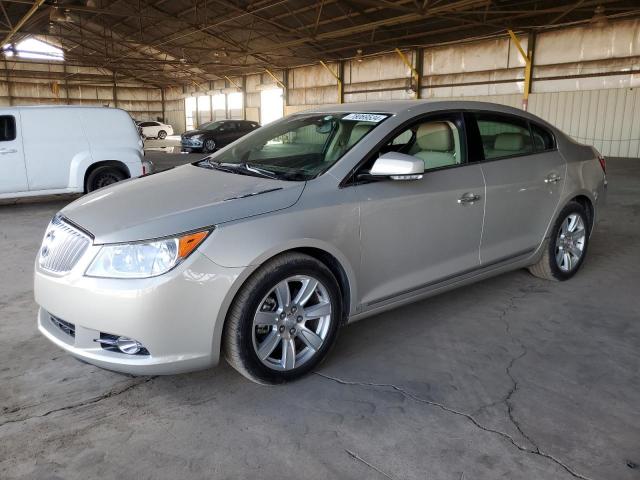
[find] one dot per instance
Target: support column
(415, 76)
(115, 91)
(164, 115)
(244, 97)
(7, 79)
(419, 53)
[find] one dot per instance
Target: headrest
(511, 142)
(358, 131)
(435, 137)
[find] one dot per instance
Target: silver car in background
(261, 251)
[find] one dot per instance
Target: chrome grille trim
(62, 246)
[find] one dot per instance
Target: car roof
(399, 106)
(395, 107)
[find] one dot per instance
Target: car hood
(191, 133)
(176, 201)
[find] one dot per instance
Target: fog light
(128, 345)
(123, 344)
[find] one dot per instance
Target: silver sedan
(261, 251)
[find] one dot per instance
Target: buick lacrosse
(261, 251)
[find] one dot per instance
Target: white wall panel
(607, 119)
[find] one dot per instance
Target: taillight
(603, 163)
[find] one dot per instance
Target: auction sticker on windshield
(365, 117)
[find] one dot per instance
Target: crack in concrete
(91, 401)
(507, 399)
(475, 422)
(373, 467)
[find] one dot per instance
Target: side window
(7, 128)
(147, 124)
(503, 136)
(542, 138)
(438, 142)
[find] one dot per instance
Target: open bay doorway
(271, 105)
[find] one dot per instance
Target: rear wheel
(284, 320)
(566, 248)
(208, 146)
(162, 134)
(102, 177)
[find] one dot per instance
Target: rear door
(524, 174)
(13, 172)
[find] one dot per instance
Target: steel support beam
(16, 28)
(527, 68)
(337, 75)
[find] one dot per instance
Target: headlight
(143, 259)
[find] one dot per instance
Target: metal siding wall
(607, 119)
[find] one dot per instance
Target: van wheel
(284, 320)
(162, 134)
(102, 177)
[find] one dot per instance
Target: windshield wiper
(261, 171)
(246, 168)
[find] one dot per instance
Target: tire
(242, 339)
(162, 134)
(559, 261)
(208, 146)
(102, 177)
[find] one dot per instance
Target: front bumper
(174, 316)
(189, 143)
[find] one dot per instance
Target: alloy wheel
(570, 242)
(292, 322)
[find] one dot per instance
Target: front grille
(66, 327)
(62, 246)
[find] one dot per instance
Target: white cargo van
(65, 149)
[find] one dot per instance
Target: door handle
(468, 199)
(552, 178)
(4, 151)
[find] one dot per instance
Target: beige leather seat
(436, 143)
(506, 144)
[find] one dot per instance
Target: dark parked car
(213, 135)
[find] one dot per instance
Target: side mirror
(397, 166)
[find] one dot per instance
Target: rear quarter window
(543, 139)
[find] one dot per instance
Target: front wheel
(284, 320)
(162, 134)
(208, 146)
(566, 248)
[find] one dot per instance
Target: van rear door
(13, 173)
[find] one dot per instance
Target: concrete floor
(513, 378)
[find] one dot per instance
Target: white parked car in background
(66, 149)
(156, 129)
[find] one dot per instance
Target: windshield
(210, 125)
(299, 147)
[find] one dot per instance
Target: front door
(13, 172)
(416, 233)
